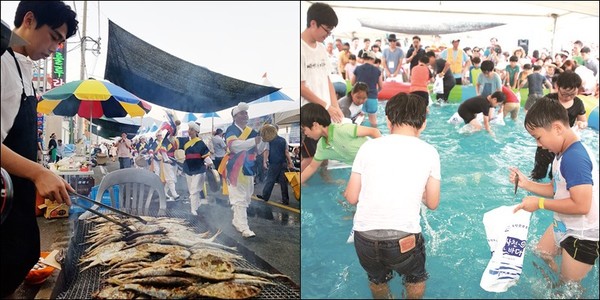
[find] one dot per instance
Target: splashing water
(474, 181)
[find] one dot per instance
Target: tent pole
(555, 17)
(90, 125)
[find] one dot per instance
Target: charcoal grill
(73, 284)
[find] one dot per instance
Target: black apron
(19, 234)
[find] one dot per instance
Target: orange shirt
(419, 78)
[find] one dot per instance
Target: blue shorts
(370, 106)
(380, 257)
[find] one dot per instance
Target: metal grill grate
(80, 285)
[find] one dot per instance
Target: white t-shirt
(12, 88)
(314, 70)
(394, 171)
(587, 78)
(580, 168)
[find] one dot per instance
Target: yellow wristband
(541, 202)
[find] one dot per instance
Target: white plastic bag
(438, 85)
(507, 237)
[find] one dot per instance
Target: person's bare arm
(542, 189)
(431, 196)
(367, 131)
(334, 109)
(581, 121)
(380, 83)
(579, 202)
(523, 82)
(486, 122)
(265, 155)
(385, 66)
(515, 80)
(309, 170)
(353, 189)
(47, 184)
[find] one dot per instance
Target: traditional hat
(242, 106)
(194, 126)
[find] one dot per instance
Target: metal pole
(555, 17)
(82, 67)
(45, 75)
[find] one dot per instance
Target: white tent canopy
(539, 22)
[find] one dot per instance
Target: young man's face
(493, 102)
(513, 63)
(314, 132)
(566, 95)
(320, 32)
(416, 43)
(43, 41)
(432, 60)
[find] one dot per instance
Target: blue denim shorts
(380, 257)
(370, 106)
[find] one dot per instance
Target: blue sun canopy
(163, 79)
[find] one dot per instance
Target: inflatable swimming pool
(591, 109)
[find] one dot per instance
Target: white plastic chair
(136, 191)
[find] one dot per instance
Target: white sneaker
(195, 213)
(170, 199)
(248, 233)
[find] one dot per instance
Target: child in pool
(574, 189)
(388, 203)
(334, 141)
(469, 109)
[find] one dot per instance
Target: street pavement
(277, 229)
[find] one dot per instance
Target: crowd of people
(386, 227)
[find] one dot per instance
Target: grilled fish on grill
(210, 267)
(260, 273)
(200, 252)
(159, 248)
(160, 293)
(112, 292)
(110, 247)
(225, 290)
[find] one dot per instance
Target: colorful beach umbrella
(92, 99)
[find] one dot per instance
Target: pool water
(474, 181)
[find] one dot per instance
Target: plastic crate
(105, 199)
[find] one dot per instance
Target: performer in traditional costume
(163, 166)
(237, 167)
(197, 158)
